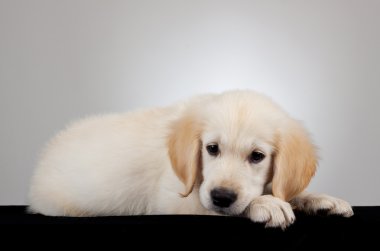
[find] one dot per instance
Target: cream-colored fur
(156, 162)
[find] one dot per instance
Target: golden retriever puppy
(235, 153)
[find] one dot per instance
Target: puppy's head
(235, 144)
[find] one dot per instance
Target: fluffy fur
(156, 162)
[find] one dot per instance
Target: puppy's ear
(185, 151)
(295, 161)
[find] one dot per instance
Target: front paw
(312, 203)
(272, 211)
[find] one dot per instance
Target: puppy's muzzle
(223, 197)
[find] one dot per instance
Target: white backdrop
(61, 60)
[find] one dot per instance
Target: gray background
(320, 60)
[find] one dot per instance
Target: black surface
(317, 231)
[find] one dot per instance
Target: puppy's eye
(213, 149)
(256, 157)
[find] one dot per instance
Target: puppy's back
(102, 165)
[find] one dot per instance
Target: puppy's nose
(223, 197)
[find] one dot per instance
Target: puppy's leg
(312, 203)
(272, 211)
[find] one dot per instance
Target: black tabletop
(316, 231)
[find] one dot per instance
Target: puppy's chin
(232, 211)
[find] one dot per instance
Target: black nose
(223, 197)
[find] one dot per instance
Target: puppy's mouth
(233, 210)
(225, 201)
